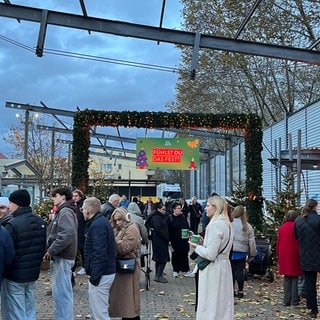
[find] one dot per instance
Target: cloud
(68, 82)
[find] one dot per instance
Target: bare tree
(44, 153)
(227, 81)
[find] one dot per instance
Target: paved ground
(176, 299)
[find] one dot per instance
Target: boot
(157, 270)
(159, 275)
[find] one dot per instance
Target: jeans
(99, 298)
(238, 267)
(62, 292)
(17, 300)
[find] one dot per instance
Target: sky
(67, 82)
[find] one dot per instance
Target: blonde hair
(221, 208)
(241, 212)
(78, 192)
(120, 213)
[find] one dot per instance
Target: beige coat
(123, 303)
(215, 295)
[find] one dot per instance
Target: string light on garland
(249, 123)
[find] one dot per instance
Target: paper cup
(185, 233)
(195, 238)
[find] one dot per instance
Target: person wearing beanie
(20, 197)
(61, 251)
(5, 215)
(28, 232)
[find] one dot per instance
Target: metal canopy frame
(49, 17)
(105, 137)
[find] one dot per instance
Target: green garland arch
(250, 123)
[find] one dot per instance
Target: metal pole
(230, 167)
(52, 157)
(277, 166)
(26, 134)
(279, 176)
(69, 165)
(299, 165)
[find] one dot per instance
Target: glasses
(162, 208)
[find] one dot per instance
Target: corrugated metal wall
(216, 175)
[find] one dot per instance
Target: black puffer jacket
(307, 232)
(28, 232)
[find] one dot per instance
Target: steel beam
(26, 106)
(54, 112)
(126, 29)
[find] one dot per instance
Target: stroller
(145, 260)
(261, 263)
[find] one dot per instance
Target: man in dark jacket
(99, 258)
(62, 250)
(110, 205)
(28, 232)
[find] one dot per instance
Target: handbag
(202, 262)
(126, 265)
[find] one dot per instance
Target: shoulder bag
(202, 263)
(126, 265)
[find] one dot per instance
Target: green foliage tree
(43, 209)
(287, 199)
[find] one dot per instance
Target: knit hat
(4, 201)
(20, 197)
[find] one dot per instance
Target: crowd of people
(107, 238)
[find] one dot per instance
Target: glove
(94, 282)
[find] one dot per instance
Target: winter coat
(5, 219)
(185, 209)
(175, 224)
(99, 249)
(81, 225)
(28, 232)
(63, 232)
(287, 250)
(139, 222)
(160, 237)
(243, 242)
(7, 251)
(125, 291)
(195, 211)
(215, 286)
(107, 210)
(307, 232)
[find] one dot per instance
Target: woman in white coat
(215, 290)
